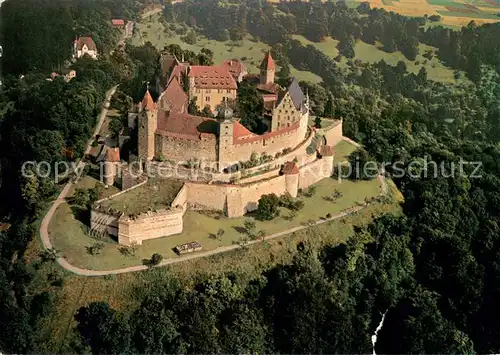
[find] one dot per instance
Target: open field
(125, 291)
(486, 9)
(371, 54)
(249, 50)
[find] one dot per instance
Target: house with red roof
(118, 23)
(211, 86)
(236, 68)
(84, 46)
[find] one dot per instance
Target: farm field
(371, 54)
(460, 14)
(249, 50)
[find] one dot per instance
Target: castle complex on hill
(167, 131)
(297, 155)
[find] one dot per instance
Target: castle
(293, 154)
(167, 131)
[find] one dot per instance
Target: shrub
(328, 215)
(310, 191)
(268, 207)
(155, 259)
(95, 248)
(220, 233)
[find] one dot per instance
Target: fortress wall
(150, 225)
(181, 198)
(315, 171)
(333, 134)
(211, 196)
(242, 150)
(103, 222)
(250, 194)
(264, 175)
(181, 149)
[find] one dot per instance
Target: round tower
(111, 162)
(291, 172)
(147, 128)
(226, 132)
(327, 154)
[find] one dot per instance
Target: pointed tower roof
(147, 102)
(267, 62)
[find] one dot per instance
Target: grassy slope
(249, 51)
(371, 54)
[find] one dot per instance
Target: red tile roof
(81, 41)
(235, 67)
(240, 131)
(175, 97)
(183, 125)
(178, 71)
(113, 155)
(147, 102)
(267, 62)
(290, 168)
(212, 77)
(118, 22)
(271, 88)
(255, 137)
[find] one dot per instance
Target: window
(278, 125)
(207, 98)
(207, 91)
(197, 91)
(228, 91)
(219, 91)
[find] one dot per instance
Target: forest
(433, 271)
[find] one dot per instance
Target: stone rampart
(181, 149)
(315, 171)
(104, 222)
(333, 134)
(150, 225)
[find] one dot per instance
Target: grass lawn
(249, 50)
(153, 195)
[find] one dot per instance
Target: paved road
(85, 272)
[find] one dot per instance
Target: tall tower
(147, 128)
(267, 69)
(226, 132)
